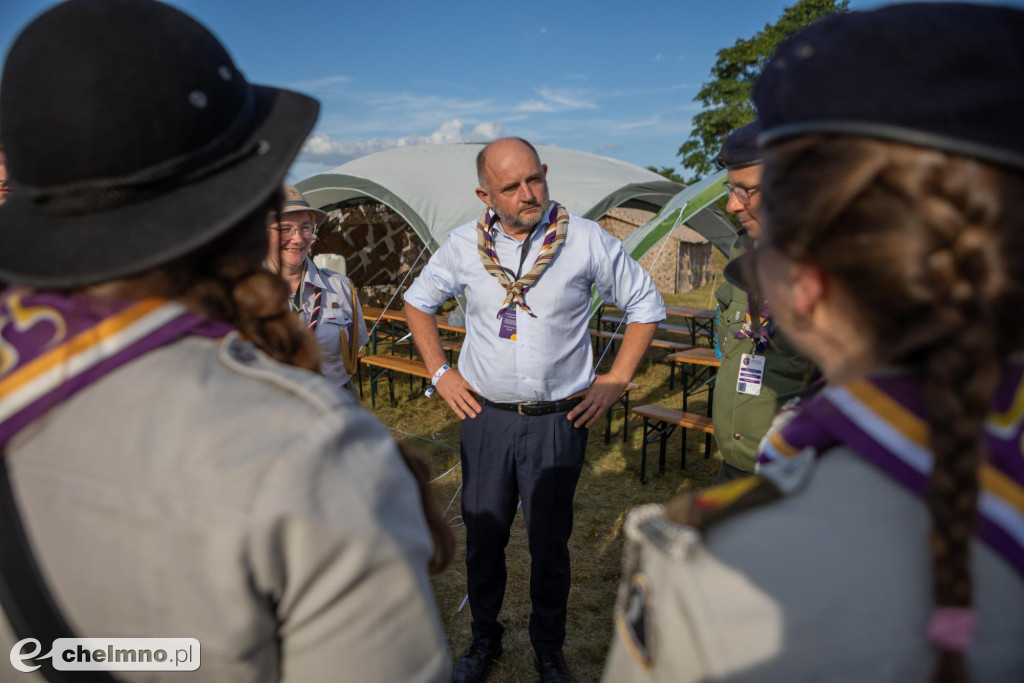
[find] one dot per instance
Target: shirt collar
(315, 277)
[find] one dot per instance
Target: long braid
(927, 242)
(962, 371)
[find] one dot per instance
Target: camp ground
(406, 201)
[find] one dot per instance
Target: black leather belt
(537, 408)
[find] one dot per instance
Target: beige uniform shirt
(829, 584)
(204, 491)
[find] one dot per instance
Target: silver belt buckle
(525, 404)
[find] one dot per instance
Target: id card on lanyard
(751, 374)
(507, 329)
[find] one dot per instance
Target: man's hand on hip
(597, 398)
(456, 391)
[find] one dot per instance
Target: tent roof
(432, 186)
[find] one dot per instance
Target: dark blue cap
(943, 75)
(740, 148)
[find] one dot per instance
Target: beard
(514, 222)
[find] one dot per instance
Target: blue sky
(608, 77)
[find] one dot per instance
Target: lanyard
(522, 258)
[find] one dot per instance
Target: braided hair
(929, 242)
(226, 280)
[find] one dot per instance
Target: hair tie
(952, 628)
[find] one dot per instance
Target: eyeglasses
(286, 232)
(742, 193)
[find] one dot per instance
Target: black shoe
(476, 661)
(552, 668)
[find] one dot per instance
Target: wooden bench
(382, 364)
(660, 422)
(623, 400)
(692, 329)
(386, 364)
(612, 337)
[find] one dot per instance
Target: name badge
(751, 374)
(508, 324)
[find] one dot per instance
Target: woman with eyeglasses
(172, 465)
(325, 300)
(882, 538)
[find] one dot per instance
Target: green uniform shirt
(742, 419)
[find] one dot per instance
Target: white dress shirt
(551, 356)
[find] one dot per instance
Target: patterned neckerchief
(554, 238)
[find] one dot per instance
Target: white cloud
(543, 29)
(321, 149)
(556, 100)
(326, 82)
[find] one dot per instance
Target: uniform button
(243, 354)
(737, 435)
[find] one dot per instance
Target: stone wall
(678, 264)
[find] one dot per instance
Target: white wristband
(433, 380)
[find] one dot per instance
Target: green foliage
(726, 97)
(669, 173)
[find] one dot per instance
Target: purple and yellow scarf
(882, 419)
(54, 344)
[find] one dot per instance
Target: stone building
(680, 263)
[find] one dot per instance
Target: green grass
(609, 486)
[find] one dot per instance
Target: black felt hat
(740, 148)
(943, 75)
(131, 139)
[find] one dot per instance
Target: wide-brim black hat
(131, 140)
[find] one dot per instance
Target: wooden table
(698, 322)
(394, 327)
(698, 367)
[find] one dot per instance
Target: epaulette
(244, 358)
(773, 482)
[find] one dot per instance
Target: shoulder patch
(774, 482)
(245, 359)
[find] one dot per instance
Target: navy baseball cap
(740, 148)
(948, 76)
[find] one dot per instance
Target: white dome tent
(432, 188)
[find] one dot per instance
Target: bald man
(525, 387)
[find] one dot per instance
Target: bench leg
(671, 376)
(643, 453)
(625, 419)
(707, 445)
(373, 388)
(661, 452)
(682, 462)
(608, 425)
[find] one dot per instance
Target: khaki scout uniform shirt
(831, 583)
(205, 491)
(741, 420)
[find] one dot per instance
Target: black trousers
(507, 456)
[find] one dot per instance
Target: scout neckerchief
(882, 419)
(759, 330)
(296, 300)
(554, 238)
(54, 344)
